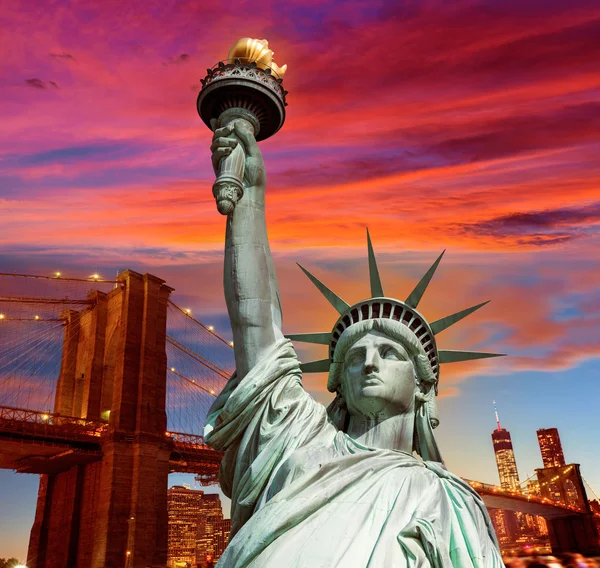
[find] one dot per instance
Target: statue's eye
(355, 358)
(389, 353)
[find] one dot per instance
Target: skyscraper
(500, 525)
(505, 523)
(505, 457)
(222, 530)
(213, 535)
(187, 510)
(551, 448)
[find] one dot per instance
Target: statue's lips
(371, 380)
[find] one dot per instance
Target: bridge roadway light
(210, 328)
(1, 316)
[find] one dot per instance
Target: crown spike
(446, 322)
(447, 356)
(332, 298)
(321, 366)
(319, 338)
(416, 295)
(376, 287)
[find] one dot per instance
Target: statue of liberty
(360, 484)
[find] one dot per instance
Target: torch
(246, 89)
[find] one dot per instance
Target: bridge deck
(38, 442)
(499, 498)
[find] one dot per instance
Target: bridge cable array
(32, 313)
(33, 310)
(199, 363)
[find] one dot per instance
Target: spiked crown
(381, 307)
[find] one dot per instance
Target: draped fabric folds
(304, 494)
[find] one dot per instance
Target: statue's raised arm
(250, 282)
(243, 100)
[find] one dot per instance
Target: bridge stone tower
(564, 484)
(111, 512)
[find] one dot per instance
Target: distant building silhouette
(188, 510)
(551, 448)
(501, 527)
(505, 457)
(213, 535)
(506, 524)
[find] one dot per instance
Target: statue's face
(379, 377)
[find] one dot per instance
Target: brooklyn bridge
(104, 390)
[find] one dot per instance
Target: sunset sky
(467, 126)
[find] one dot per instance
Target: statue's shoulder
(453, 483)
(461, 497)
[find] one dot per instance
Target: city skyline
(461, 127)
(555, 481)
(196, 526)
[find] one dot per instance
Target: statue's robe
(305, 495)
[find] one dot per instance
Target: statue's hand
(227, 138)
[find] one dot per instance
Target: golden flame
(248, 50)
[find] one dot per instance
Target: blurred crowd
(570, 560)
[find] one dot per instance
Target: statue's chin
(370, 401)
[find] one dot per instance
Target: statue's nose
(371, 364)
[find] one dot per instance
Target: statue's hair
(426, 416)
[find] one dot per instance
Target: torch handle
(228, 188)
